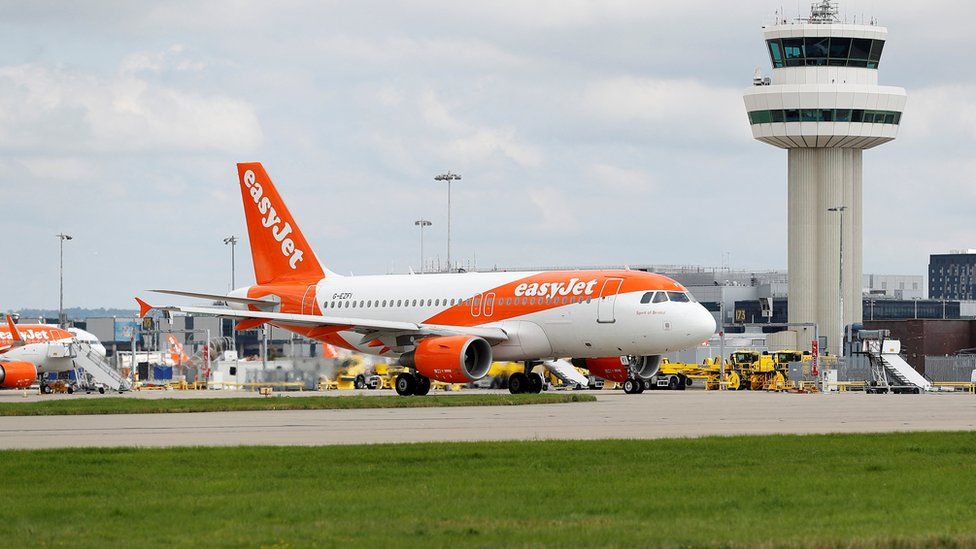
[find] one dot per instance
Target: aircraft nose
(704, 324)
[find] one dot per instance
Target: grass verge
(904, 490)
(121, 405)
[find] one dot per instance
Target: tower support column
(820, 179)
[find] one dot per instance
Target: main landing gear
(412, 384)
(634, 386)
(527, 382)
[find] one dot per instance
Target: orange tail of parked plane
(279, 249)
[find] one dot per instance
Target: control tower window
(794, 51)
(819, 52)
(775, 53)
(875, 56)
(860, 49)
(825, 115)
(840, 50)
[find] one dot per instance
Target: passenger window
(438, 302)
(646, 298)
(679, 297)
(660, 297)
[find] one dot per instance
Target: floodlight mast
(448, 177)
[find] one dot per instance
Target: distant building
(894, 286)
(953, 275)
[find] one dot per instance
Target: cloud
(667, 108)
(55, 110)
(943, 112)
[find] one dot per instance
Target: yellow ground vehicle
(353, 374)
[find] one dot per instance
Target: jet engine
(451, 359)
(17, 374)
(619, 368)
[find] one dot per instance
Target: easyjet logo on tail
(272, 222)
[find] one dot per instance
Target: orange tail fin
(278, 247)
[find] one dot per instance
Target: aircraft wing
(369, 327)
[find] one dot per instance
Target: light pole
(61, 237)
(422, 223)
(232, 240)
(448, 177)
(841, 209)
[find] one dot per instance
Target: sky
(586, 133)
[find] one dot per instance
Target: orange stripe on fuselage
(546, 291)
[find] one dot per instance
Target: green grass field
(119, 405)
(905, 490)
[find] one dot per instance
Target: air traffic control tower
(824, 106)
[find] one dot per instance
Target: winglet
(14, 332)
(144, 308)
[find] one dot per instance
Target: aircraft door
(607, 300)
(308, 301)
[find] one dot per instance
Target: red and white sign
(815, 350)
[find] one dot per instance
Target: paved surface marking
(650, 415)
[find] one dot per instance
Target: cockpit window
(646, 298)
(679, 297)
(660, 297)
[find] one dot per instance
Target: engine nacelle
(451, 359)
(17, 374)
(645, 366)
(619, 368)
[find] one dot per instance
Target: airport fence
(950, 368)
(854, 368)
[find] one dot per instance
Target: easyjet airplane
(14, 374)
(451, 326)
(32, 349)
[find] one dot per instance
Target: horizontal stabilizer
(219, 297)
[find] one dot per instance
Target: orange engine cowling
(17, 374)
(612, 368)
(618, 368)
(451, 359)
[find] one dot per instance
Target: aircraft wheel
(518, 383)
(641, 385)
(631, 386)
(406, 384)
(45, 389)
(423, 385)
(101, 390)
(535, 383)
(360, 382)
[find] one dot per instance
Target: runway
(615, 415)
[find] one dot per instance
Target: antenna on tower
(823, 12)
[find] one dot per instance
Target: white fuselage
(578, 314)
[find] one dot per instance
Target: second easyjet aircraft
(450, 327)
